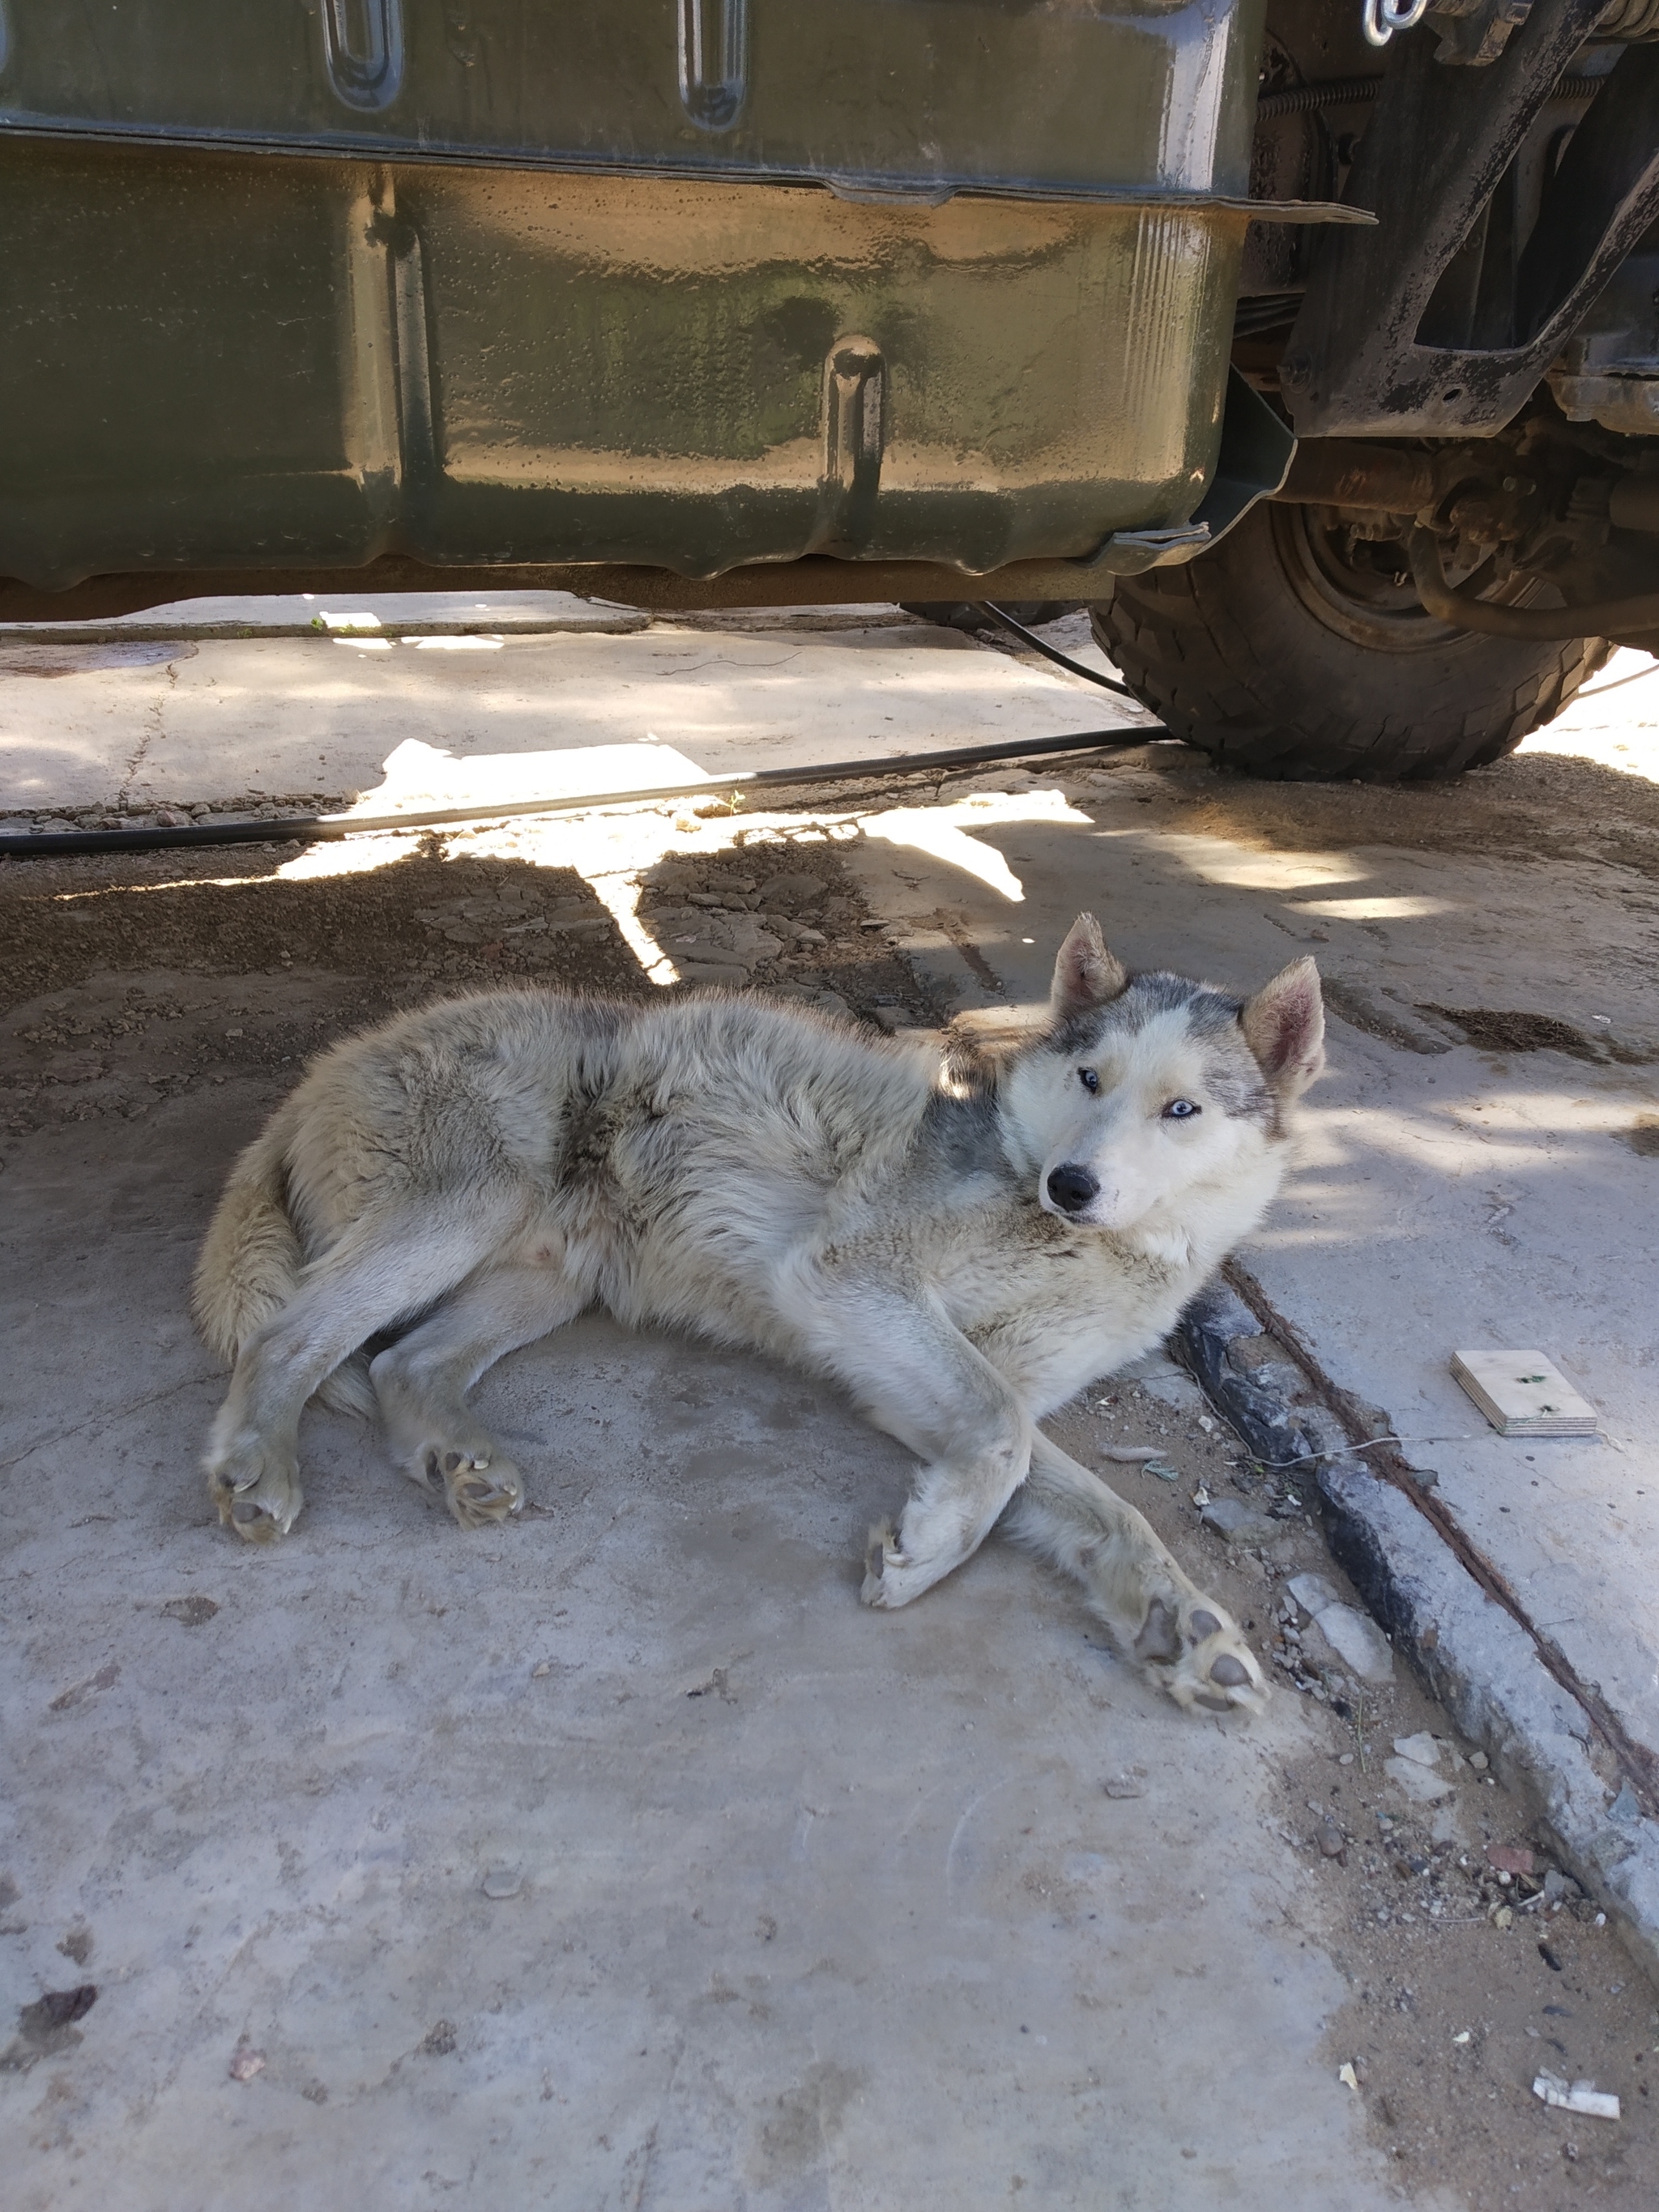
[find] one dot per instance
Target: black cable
(1051, 652)
(323, 829)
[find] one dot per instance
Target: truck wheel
(1293, 651)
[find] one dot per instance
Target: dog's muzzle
(1071, 1187)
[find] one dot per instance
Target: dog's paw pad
(1198, 1654)
(479, 1490)
(258, 1496)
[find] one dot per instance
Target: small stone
(1416, 1781)
(1357, 1641)
(503, 1881)
(1125, 1785)
(1511, 1859)
(1313, 1593)
(246, 2062)
(1422, 1747)
(792, 890)
(1478, 1761)
(1332, 1842)
(710, 973)
(1236, 1521)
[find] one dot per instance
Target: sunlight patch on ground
(1411, 907)
(611, 848)
(422, 776)
(1220, 861)
(1614, 721)
(943, 832)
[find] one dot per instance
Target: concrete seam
(1461, 1629)
(1636, 1763)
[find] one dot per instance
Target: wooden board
(1523, 1394)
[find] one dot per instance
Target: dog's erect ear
(1085, 975)
(1283, 1026)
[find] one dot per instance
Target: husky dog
(960, 1234)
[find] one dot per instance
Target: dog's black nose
(1071, 1187)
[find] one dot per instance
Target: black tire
(1289, 652)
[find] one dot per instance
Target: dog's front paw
(884, 1567)
(1194, 1650)
(256, 1490)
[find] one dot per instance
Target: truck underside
(739, 309)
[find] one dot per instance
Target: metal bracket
(1429, 164)
(1253, 461)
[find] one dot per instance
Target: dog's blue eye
(1181, 1109)
(1088, 1079)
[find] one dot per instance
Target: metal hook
(1380, 19)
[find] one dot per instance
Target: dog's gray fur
(463, 1179)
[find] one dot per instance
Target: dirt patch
(1362, 1011)
(1535, 807)
(1642, 1136)
(1492, 1031)
(132, 978)
(45, 2029)
(1473, 1963)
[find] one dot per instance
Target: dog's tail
(251, 1263)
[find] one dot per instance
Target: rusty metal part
(1367, 357)
(815, 582)
(1614, 619)
(1346, 473)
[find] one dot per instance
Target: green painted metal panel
(248, 320)
(1078, 97)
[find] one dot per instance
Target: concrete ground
(620, 1856)
(119, 727)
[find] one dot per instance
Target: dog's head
(1140, 1088)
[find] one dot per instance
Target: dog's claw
(478, 1492)
(884, 1565)
(259, 1497)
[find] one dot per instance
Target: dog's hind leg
(1187, 1643)
(390, 1262)
(422, 1380)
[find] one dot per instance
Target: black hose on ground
(1052, 652)
(325, 828)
